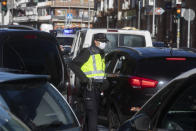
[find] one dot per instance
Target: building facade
(58, 13)
(139, 14)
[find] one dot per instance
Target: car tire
(113, 120)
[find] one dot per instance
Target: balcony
(44, 18)
(75, 19)
(73, 4)
(43, 4)
(31, 18)
(20, 19)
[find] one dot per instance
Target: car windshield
(124, 40)
(162, 68)
(33, 53)
(65, 40)
(38, 105)
(9, 122)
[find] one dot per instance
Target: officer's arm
(77, 63)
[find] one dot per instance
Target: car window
(120, 65)
(65, 40)
(8, 122)
(81, 41)
(110, 60)
(132, 40)
(112, 42)
(38, 105)
(182, 113)
(34, 54)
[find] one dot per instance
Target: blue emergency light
(68, 31)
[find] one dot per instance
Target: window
(113, 42)
(19, 53)
(40, 111)
(120, 64)
(132, 40)
(182, 113)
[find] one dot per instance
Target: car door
(118, 76)
(179, 111)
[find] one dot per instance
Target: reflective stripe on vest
(94, 67)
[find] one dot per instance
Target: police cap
(100, 37)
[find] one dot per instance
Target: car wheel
(113, 120)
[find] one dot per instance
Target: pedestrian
(89, 67)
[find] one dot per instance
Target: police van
(116, 37)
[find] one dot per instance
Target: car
(37, 102)
(135, 74)
(116, 38)
(9, 122)
(32, 51)
(172, 108)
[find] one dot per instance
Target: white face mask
(102, 45)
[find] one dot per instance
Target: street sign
(159, 11)
(69, 16)
(189, 14)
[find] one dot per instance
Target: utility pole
(178, 33)
(107, 17)
(69, 12)
(88, 14)
(178, 15)
(1, 14)
(139, 12)
(153, 19)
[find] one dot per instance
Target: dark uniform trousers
(91, 101)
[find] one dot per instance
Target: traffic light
(4, 5)
(178, 11)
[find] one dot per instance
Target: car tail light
(140, 82)
(175, 59)
(30, 36)
(112, 30)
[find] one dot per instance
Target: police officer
(89, 67)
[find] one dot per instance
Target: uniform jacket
(82, 58)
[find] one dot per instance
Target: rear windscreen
(65, 40)
(34, 54)
(160, 67)
(130, 40)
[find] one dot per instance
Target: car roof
(115, 31)
(21, 30)
(23, 27)
(148, 52)
(111, 30)
(15, 32)
(11, 77)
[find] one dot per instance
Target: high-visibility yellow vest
(94, 67)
